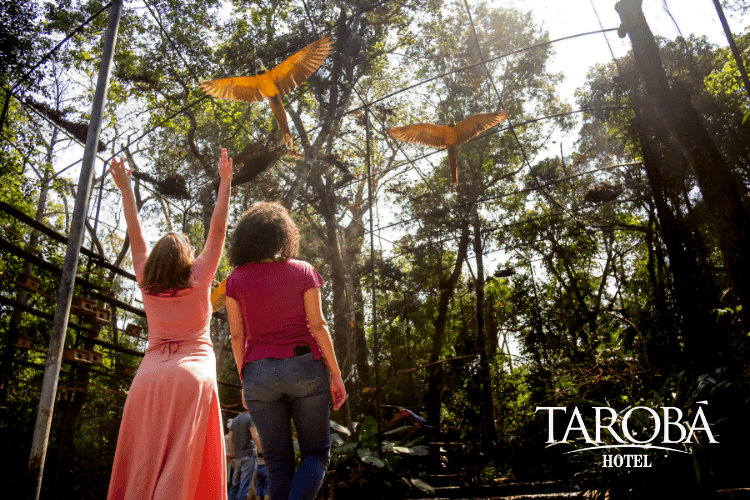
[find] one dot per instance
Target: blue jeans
(242, 479)
(261, 481)
(277, 391)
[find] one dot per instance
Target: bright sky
(567, 17)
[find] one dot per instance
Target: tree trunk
(730, 219)
(488, 410)
(686, 275)
(447, 286)
(363, 366)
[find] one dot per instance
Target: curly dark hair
(265, 231)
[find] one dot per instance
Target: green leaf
(336, 440)
(422, 485)
(397, 429)
(368, 457)
(345, 447)
(414, 450)
(415, 441)
(367, 431)
(340, 428)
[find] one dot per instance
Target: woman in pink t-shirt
(280, 342)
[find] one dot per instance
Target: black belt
(301, 350)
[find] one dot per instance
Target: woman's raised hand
(120, 175)
(225, 166)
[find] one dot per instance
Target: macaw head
(451, 121)
(259, 68)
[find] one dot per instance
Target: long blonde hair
(169, 266)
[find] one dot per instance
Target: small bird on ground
(274, 83)
(448, 136)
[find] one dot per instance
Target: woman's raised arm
(137, 243)
(211, 253)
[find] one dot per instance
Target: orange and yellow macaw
(448, 136)
(272, 84)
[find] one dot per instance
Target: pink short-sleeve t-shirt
(273, 311)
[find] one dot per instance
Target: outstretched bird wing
(425, 134)
(286, 76)
(297, 68)
(219, 297)
(475, 125)
(236, 88)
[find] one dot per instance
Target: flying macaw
(448, 136)
(274, 83)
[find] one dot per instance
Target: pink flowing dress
(171, 444)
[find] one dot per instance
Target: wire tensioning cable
(510, 123)
(505, 195)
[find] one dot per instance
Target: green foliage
(360, 470)
(726, 82)
(19, 34)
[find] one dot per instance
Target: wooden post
(731, 222)
(65, 293)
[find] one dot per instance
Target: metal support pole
(733, 46)
(75, 240)
(374, 303)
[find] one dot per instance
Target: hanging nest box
(82, 306)
(254, 159)
(101, 316)
(22, 341)
(504, 273)
(171, 186)
(95, 358)
(133, 330)
(79, 356)
(123, 369)
(602, 192)
(388, 270)
(29, 282)
(79, 130)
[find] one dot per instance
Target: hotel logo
(668, 424)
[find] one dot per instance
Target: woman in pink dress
(171, 444)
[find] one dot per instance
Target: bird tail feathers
(453, 160)
(280, 113)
